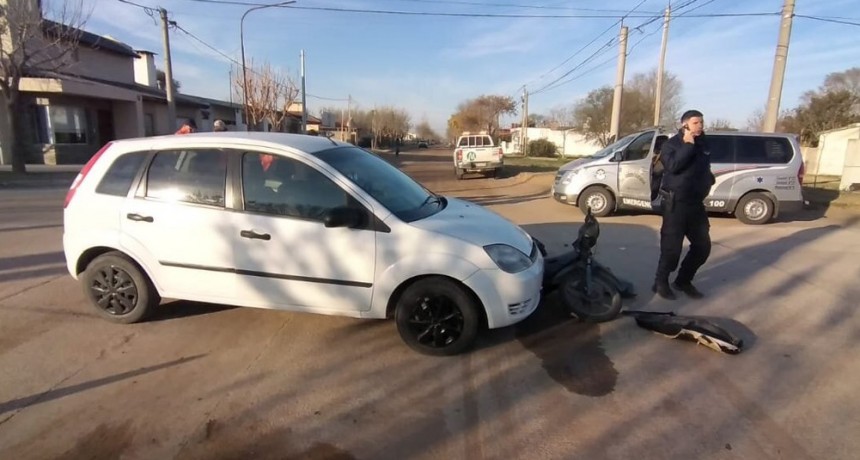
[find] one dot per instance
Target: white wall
(832, 148)
(569, 143)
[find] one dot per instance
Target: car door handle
(254, 235)
(139, 218)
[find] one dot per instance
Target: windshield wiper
(431, 198)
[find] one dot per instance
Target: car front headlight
(569, 175)
(508, 258)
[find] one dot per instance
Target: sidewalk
(39, 176)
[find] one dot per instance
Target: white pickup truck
(477, 153)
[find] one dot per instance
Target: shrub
(542, 148)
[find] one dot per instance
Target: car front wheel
(436, 316)
(118, 289)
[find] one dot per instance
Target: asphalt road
(214, 382)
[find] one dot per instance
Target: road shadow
(38, 398)
(178, 309)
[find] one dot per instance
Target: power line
(582, 49)
(479, 15)
(836, 21)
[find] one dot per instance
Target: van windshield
(618, 145)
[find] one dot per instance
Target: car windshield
(399, 193)
(611, 148)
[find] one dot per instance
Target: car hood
(478, 225)
(577, 163)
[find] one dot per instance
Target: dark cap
(690, 114)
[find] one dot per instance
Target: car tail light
(459, 155)
(81, 175)
(801, 173)
(500, 152)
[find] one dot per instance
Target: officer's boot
(661, 287)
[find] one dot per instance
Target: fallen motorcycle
(589, 290)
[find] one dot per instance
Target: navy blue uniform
(688, 179)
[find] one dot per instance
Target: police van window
(488, 141)
(464, 142)
(763, 150)
(721, 148)
(639, 148)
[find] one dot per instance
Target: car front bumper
(508, 298)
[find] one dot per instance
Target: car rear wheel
(118, 289)
(436, 316)
(755, 209)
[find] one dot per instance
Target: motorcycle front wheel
(602, 304)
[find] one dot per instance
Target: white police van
(758, 175)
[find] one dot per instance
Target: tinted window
(639, 148)
(464, 142)
(721, 148)
(192, 176)
(286, 187)
(118, 178)
(765, 150)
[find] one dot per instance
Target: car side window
(764, 150)
(721, 149)
(191, 176)
(639, 148)
(119, 176)
(283, 186)
(464, 142)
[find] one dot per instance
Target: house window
(38, 132)
(69, 124)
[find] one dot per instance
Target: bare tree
(720, 124)
(390, 123)
(646, 85)
(480, 114)
(269, 95)
(33, 46)
(561, 117)
(424, 131)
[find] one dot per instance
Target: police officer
(686, 181)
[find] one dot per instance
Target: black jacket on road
(686, 168)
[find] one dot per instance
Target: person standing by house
(686, 181)
(188, 127)
(219, 126)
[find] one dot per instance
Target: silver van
(758, 175)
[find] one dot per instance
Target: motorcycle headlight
(508, 258)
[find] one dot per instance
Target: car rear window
(119, 176)
(763, 150)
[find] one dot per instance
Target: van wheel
(119, 290)
(436, 316)
(754, 209)
(602, 202)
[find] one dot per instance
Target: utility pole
(349, 116)
(526, 124)
(523, 124)
(168, 73)
(772, 113)
(615, 124)
(304, 99)
(658, 93)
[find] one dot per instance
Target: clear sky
(428, 64)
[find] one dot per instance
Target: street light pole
(242, 46)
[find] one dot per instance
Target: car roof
(302, 142)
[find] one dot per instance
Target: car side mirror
(344, 216)
(618, 156)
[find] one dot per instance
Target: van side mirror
(344, 216)
(618, 156)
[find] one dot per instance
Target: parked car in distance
(292, 222)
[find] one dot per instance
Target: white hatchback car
(292, 222)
